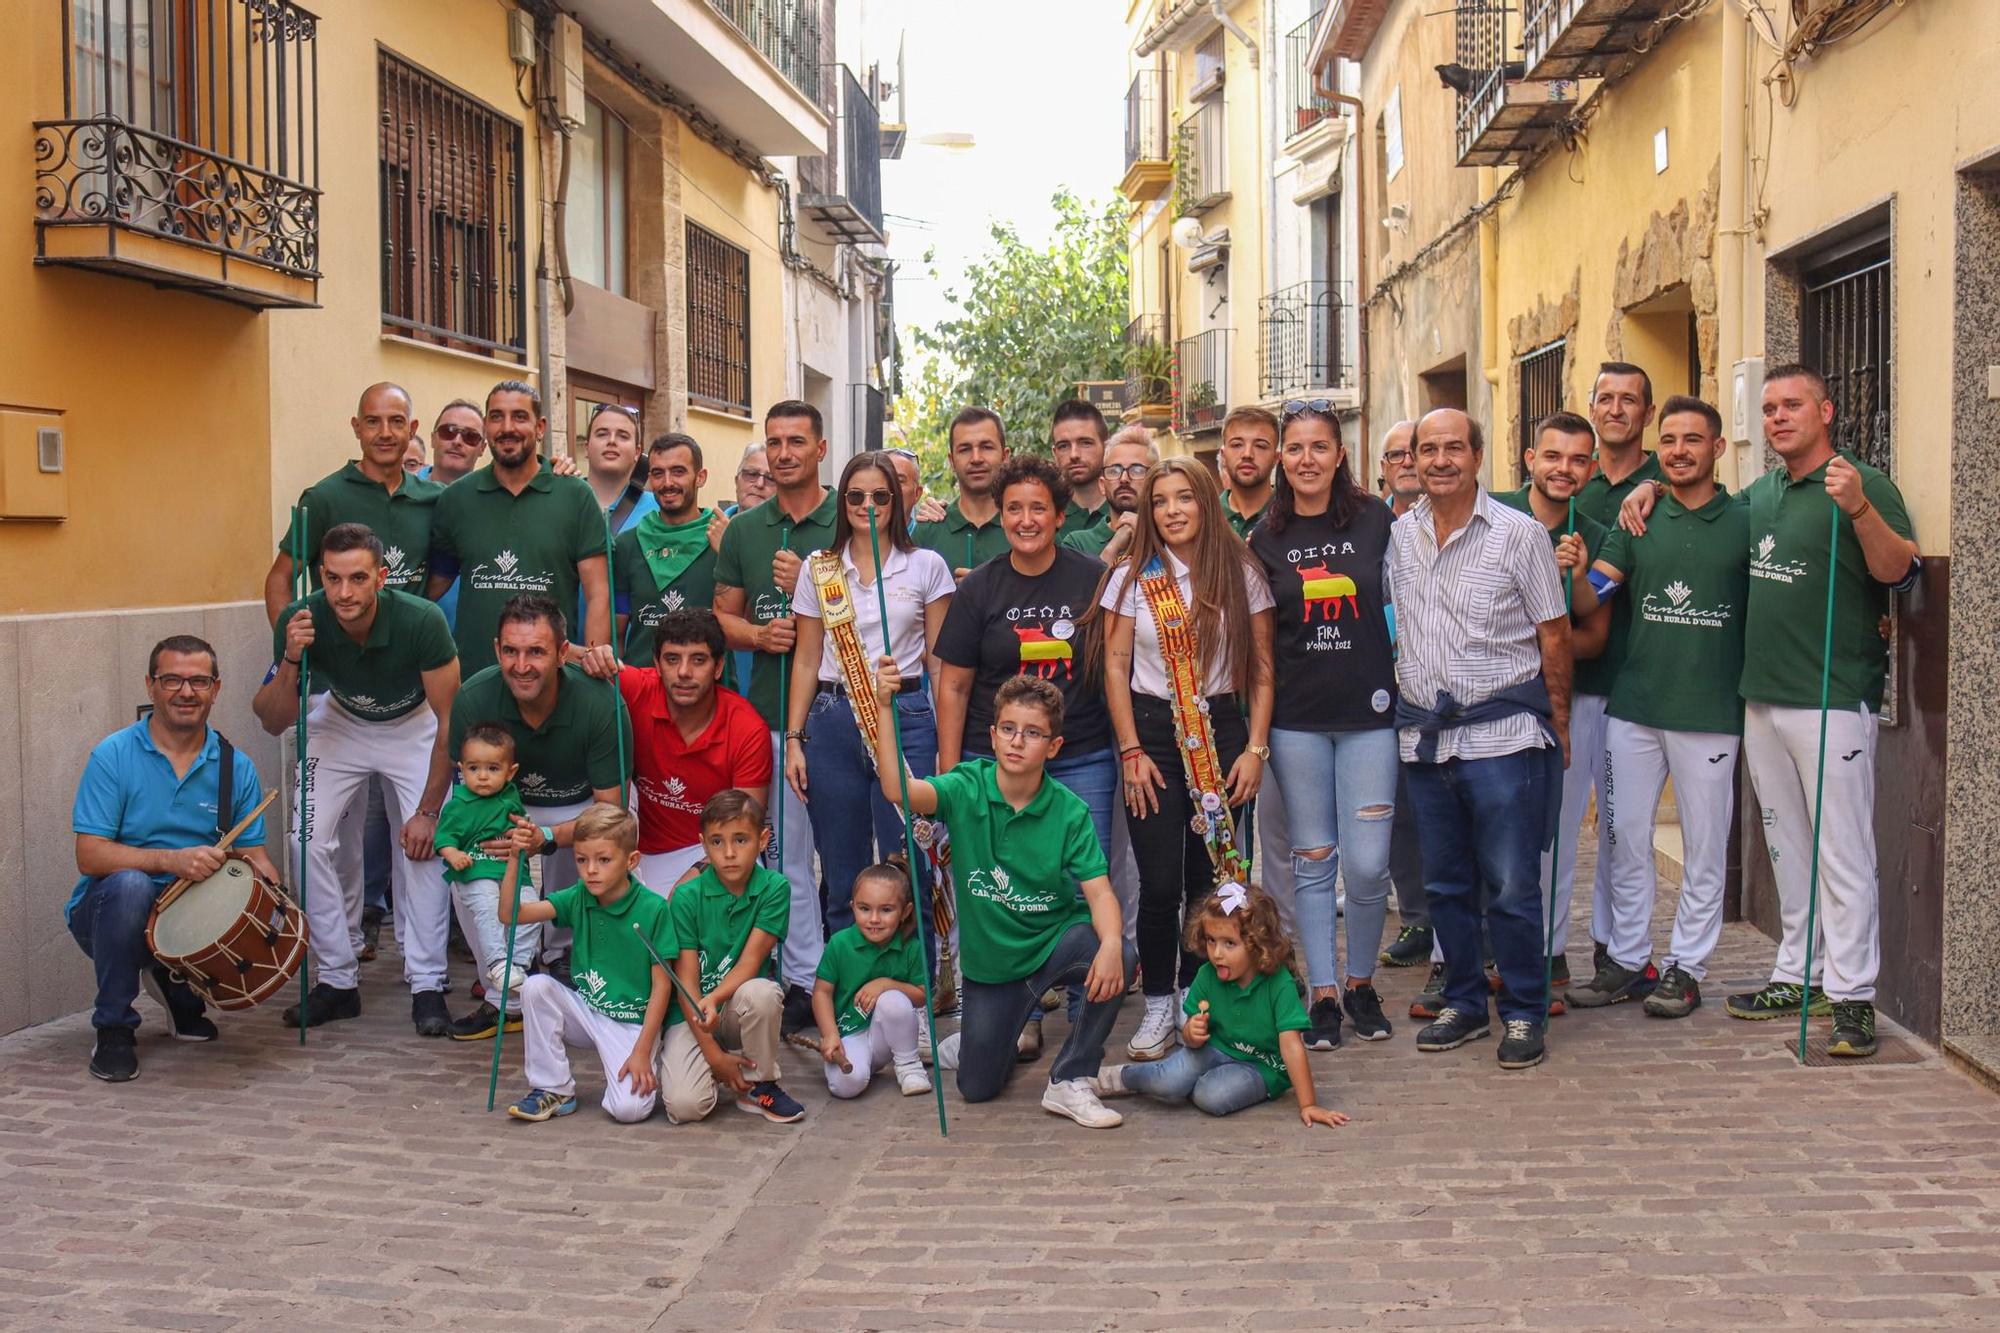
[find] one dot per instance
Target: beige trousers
(748, 1023)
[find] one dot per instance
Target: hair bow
(1232, 896)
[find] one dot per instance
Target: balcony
(1501, 117)
(1585, 39)
(867, 410)
(1307, 109)
(842, 190)
(1301, 344)
(1201, 382)
(1149, 371)
(1201, 161)
(187, 151)
(1355, 23)
(1149, 170)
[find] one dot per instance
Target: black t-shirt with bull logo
(1330, 630)
(1003, 623)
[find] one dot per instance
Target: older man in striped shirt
(1483, 665)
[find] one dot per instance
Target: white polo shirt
(912, 580)
(1149, 672)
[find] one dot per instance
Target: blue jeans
(1340, 793)
(991, 1014)
(109, 924)
(1483, 819)
(1214, 1082)
(851, 820)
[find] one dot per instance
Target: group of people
(660, 760)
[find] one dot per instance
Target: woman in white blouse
(827, 760)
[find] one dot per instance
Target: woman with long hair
(1187, 629)
(829, 762)
(1333, 731)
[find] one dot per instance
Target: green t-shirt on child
(1244, 1021)
(851, 961)
(468, 820)
(716, 923)
(608, 963)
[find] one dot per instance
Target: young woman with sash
(1333, 730)
(829, 751)
(1187, 629)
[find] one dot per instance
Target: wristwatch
(795, 736)
(1261, 751)
(548, 840)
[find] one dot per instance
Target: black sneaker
(371, 933)
(1600, 954)
(1521, 1045)
(1412, 946)
(1853, 1029)
(428, 1013)
(1430, 1001)
(1323, 1034)
(1453, 1028)
(479, 1024)
(1558, 970)
(1364, 1009)
(186, 1016)
(558, 969)
(1677, 995)
(325, 1004)
(1778, 999)
(1613, 984)
(773, 1103)
(798, 1025)
(115, 1057)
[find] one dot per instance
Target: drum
(234, 937)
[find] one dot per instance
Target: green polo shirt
(1688, 580)
(1240, 524)
(646, 602)
(500, 544)
(1017, 871)
(1600, 499)
(401, 519)
(469, 821)
(1592, 532)
(716, 923)
(380, 678)
(1791, 523)
(962, 545)
(851, 962)
(608, 963)
(1091, 540)
(1245, 1018)
(1078, 519)
(750, 543)
(576, 749)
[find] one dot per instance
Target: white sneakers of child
(947, 1052)
(912, 1079)
(1073, 1098)
(1155, 1036)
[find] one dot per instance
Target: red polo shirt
(675, 779)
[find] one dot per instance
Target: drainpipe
(1732, 223)
(1338, 98)
(1489, 315)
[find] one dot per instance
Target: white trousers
(1783, 750)
(1703, 767)
(342, 754)
(805, 936)
(1586, 771)
(557, 870)
(660, 871)
(889, 1039)
(554, 1018)
(477, 902)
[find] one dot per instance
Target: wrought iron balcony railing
(1307, 107)
(1149, 362)
(787, 33)
(1202, 158)
(1586, 39)
(843, 190)
(1201, 381)
(1145, 120)
(1300, 339)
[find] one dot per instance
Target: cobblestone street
(1679, 1175)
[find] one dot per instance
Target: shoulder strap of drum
(225, 791)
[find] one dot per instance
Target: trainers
(479, 1024)
(1155, 1036)
(1430, 1001)
(1028, 1046)
(1677, 995)
(1412, 946)
(541, 1104)
(1323, 1034)
(1558, 970)
(1364, 1010)
(912, 1079)
(558, 969)
(186, 1019)
(1072, 1097)
(428, 1013)
(371, 933)
(1853, 1029)
(115, 1056)
(325, 1004)
(1109, 1081)
(1613, 984)
(947, 1052)
(1051, 998)
(1600, 954)
(1778, 999)
(798, 1026)
(1453, 1028)
(1521, 1045)
(773, 1103)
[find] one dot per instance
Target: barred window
(452, 261)
(1844, 334)
(1541, 388)
(718, 322)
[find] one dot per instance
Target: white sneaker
(912, 1079)
(1073, 1098)
(925, 1053)
(1109, 1081)
(1155, 1036)
(947, 1052)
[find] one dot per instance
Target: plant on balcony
(1200, 397)
(1187, 189)
(1153, 363)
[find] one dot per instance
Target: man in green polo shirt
(513, 527)
(1077, 437)
(1248, 459)
(665, 561)
(390, 671)
(968, 534)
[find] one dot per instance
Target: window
(718, 319)
(1541, 388)
(597, 200)
(1209, 61)
(124, 56)
(1392, 135)
(1844, 334)
(451, 216)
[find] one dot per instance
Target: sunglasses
(902, 453)
(470, 434)
(1321, 406)
(879, 499)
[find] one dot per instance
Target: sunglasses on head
(902, 453)
(879, 499)
(1319, 406)
(470, 434)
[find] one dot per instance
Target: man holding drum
(147, 813)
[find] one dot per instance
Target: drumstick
(690, 1006)
(180, 886)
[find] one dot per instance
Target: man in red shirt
(690, 740)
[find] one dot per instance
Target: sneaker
(479, 1024)
(186, 1019)
(1600, 954)
(1454, 1028)
(1521, 1045)
(558, 968)
(773, 1103)
(1411, 947)
(325, 1004)
(1558, 1005)
(115, 1056)
(371, 933)
(1051, 998)
(428, 1013)
(1853, 1029)
(1677, 995)
(1613, 984)
(1072, 1097)
(1558, 970)
(1323, 1034)
(1028, 1046)
(798, 1026)
(947, 1052)
(1109, 1081)
(1155, 1036)
(1430, 1001)
(912, 1079)
(541, 1104)
(1364, 1009)
(1778, 999)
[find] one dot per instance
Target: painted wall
(719, 194)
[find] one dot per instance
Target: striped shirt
(1466, 617)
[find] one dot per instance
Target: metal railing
(1541, 388)
(718, 322)
(788, 34)
(1300, 339)
(1201, 381)
(843, 189)
(1844, 333)
(1149, 361)
(1145, 120)
(1307, 107)
(1481, 47)
(1202, 157)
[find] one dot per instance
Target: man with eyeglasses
(149, 810)
(1249, 457)
(1076, 442)
(1399, 468)
(909, 480)
(754, 482)
(1127, 458)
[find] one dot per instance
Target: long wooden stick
(180, 886)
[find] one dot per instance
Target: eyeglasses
(175, 684)
(470, 434)
(761, 478)
(880, 499)
(1007, 731)
(1322, 406)
(1397, 455)
(1120, 471)
(910, 454)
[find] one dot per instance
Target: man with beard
(1127, 457)
(968, 534)
(516, 527)
(1076, 443)
(666, 561)
(1249, 457)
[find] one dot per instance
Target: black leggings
(1174, 869)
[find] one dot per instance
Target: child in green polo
(870, 989)
(729, 920)
(481, 810)
(1035, 905)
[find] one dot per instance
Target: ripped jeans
(1340, 795)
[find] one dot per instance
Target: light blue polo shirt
(130, 795)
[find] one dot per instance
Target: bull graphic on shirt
(1047, 655)
(1323, 589)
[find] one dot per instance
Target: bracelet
(1861, 513)
(795, 736)
(294, 661)
(1131, 749)
(427, 814)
